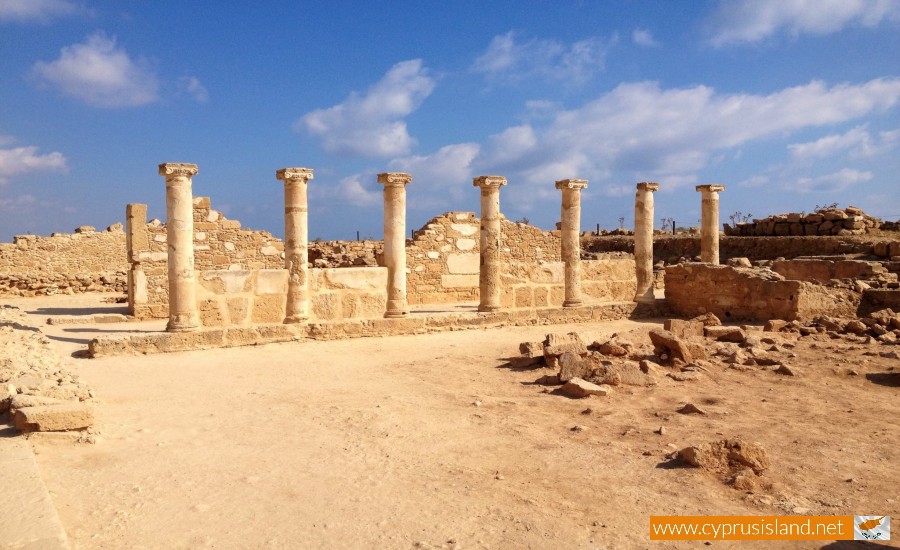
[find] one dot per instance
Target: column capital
(295, 173)
(648, 186)
(178, 169)
(488, 182)
(710, 188)
(571, 184)
(394, 178)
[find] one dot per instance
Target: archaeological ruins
(762, 298)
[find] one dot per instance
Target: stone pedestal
(296, 242)
(643, 240)
(183, 314)
(395, 241)
(570, 242)
(709, 223)
(489, 271)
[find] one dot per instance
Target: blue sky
(789, 103)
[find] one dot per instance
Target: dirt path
(426, 442)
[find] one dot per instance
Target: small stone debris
(576, 387)
(785, 370)
(690, 408)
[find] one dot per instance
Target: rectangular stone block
(459, 281)
(271, 281)
(458, 264)
(54, 418)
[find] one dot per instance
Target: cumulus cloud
(741, 21)
(21, 160)
(856, 142)
(832, 183)
(16, 204)
(507, 59)
(41, 11)
(100, 73)
(191, 85)
(643, 37)
(371, 124)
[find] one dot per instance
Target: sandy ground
(429, 442)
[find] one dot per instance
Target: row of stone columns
(183, 314)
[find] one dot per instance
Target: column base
(396, 314)
(172, 327)
(573, 303)
(643, 299)
(295, 319)
(488, 309)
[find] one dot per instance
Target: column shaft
(709, 223)
(489, 272)
(570, 238)
(643, 241)
(395, 241)
(183, 313)
(296, 242)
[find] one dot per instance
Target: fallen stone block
(708, 319)
(669, 347)
(574, 366)
(774, 325)
(54, 418)
(532, 349)
(577, 387)
(684, 329)
(726, 334)
(557, 344)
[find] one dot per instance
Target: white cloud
(832, 183)
(36, 10)
(643, 37)
(21, 160)
(736, 21)
(508, 60)
(191, 85)
(17, 203)
(100, 74)
(857, 142)
(352, 190)
(371, 124)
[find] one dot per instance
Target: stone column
(296, 242)
(570, 242)
(489, 271)
(643, 240)
(395, 241)
(709, 223)
(183, 314)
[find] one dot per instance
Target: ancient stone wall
(751, 294)
(823, 271)
(219, 243)
(828, 221)
(670, 248)
(610, 279)
(443, 257)
(84, 261)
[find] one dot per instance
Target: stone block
(684, 329)
(459, 281)
(356, 278)
(54, 418)
(268, 308)
(271, 281)
(458, 264)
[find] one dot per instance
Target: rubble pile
(37, 390)
(827, 221)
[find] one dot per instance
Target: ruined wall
(85, 261)
(443, 258)
(751, 294)
(610, 279)
(669, 248)
(241, 297)
(823, 271)
(828, 221)
(347, 293)
(219, 243)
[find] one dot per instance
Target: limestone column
(643, 240)
(709, 223)
(570, 243)
(296, 242)
(183, 314)
(489, 272)
(395, 241)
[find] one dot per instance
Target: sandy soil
(429, 442)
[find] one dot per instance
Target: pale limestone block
(356, 278)
(232, 281)
(463, 263)
(158, 256)
(465, 244)
(446, 248)
(160, 238)
(462, 215)
(419, 268)
(271, 281)
(464, 228)
(229, 246)
(200, 236)
(459, 281)
(548, 273)
(433, 255)
(213, 216)
(235, 267)
(269, 251)
(201, 247)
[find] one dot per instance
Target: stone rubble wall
(219, 243)
(443, 257)
(830, 221)
(823, 271)
(84, 261)
(670, 248)
(347, 293)
(611, 278)
(734, 293)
